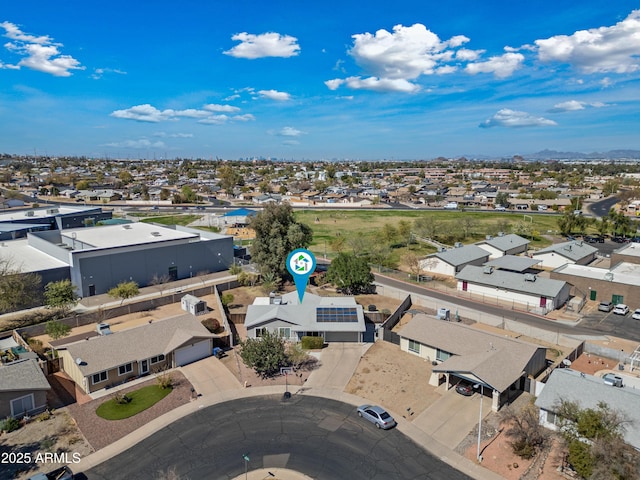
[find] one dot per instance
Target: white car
(636, 314)
(500, 208)
(621, 309)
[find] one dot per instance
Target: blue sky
(318, 80)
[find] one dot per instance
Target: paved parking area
(610, 324)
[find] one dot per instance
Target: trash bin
(217, 352)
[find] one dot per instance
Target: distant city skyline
(319, 80)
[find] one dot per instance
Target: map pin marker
(301, 263)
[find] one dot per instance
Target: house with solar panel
(336, 319)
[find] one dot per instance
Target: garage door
(342, 336)
(194, 352)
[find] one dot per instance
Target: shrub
(164, 380)
(9, 424)
(44, 416)
(211, 324)
(226, 299)
(312, 343)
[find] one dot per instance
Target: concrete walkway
(216, 384)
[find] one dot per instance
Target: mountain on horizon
(610, 155)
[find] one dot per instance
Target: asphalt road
(321, 438)
(616, 325)
(601, 208)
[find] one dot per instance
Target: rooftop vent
(529, 277)
(127, 227)
(78, 361)
(608, 276)
(155, 234)
(442, 249)
(487, 270)
(579, 243)
(457, 244)
(30, 213)
(501, 234)
(52, 210)
(488, 237)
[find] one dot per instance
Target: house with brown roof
(23, 388)
(459, 353)
(105, 361)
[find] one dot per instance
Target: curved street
(322, 438)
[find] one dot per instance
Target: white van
(451, 206)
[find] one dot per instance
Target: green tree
(187, 194)
(57, 329)
(61, 294)
(427, 226)
(351, 274)
(595, 441)
(277, 234)
(17, 290)
(566, 223)
(229, 178)
(404, 231)
(125, 177)
(502, 198)
(226, 299)
(124, 291)
(388, 233)
(82, 185)
(265, 354)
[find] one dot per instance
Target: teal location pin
(301, 263)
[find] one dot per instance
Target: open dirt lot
(394, 379)
(59, 434)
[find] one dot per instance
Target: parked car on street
(605, 307)
(377, 416)
(62, 473)
(636, 314)
(621, 309)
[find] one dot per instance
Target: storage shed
(193, 305)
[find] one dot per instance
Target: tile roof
(159, 337)
(22, 375)
(498, 361)
(511, 281)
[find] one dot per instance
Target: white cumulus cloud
(214, 120)
(515, 119)
(140, 113)
(264, 45)
(98, 73)
(375, 84)
(597, 50)
(141, 143)
(274, 95)
(288, 132)
(39, 53)
(501, 66)
(247, 117)
(208, 114)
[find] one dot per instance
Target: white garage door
(194, 352)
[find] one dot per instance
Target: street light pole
(245, 456)
(479, 457)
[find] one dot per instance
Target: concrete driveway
(450, 418)
(338, 364)
(210, 377)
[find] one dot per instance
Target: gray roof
(507, 242)
(302, 316)
(497, 360)
(512, 262)
(159, 337)
(573, 250)
(22, 375)
(462, 255)
(511, 281)
(588, 391)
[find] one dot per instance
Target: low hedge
(312, 343)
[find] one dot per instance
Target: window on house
(22, 406)
(158, 359)
(441, 355)
(284, 332)
(98, 378)
(414, 346)
(260, 332)
(126, 368)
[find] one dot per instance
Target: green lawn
(172, 219)
(140, 400)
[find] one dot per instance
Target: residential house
(510, 244)
(23, 388)
(588, 391)
(574, 252)
(535, 292)
(498, 363)
(104, 361)
(449, 262)
(336, 319)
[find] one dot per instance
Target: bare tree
(160, 281)
(523, 429)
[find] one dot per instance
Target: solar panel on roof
(337, 314)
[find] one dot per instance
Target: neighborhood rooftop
(123, 235)
(27, 258)
(462, 255)
(506, 242)
(511, 281)
(624, 272)
(22, 375)
(631, 249)
(160, 337)
(573, 250)
(513, 262)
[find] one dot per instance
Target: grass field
(327, 225)
(179, 219)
